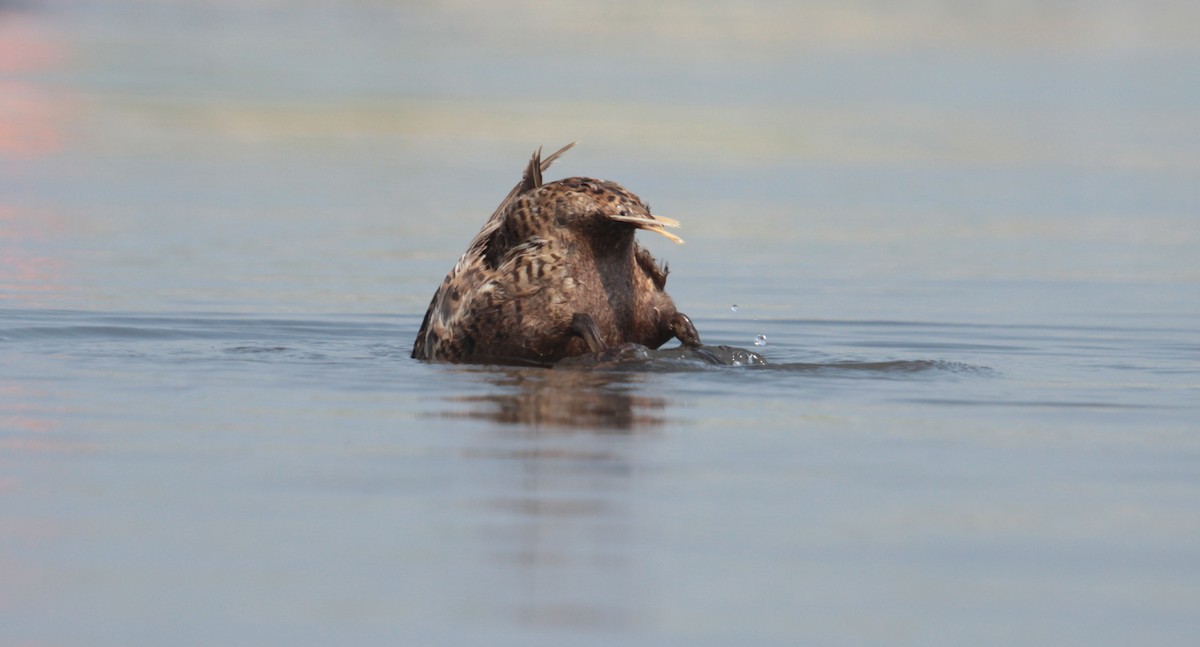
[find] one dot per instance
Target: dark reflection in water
(537, 397)
(605, 393)
(555, 511)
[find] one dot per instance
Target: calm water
(967, 232)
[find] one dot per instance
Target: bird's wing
(473, 258)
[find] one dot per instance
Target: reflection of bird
(555, 272)
(570, 400)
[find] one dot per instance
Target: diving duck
(555, 273)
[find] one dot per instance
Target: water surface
(967, 234)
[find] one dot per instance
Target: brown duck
(555, 273)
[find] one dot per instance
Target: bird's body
(554, 273)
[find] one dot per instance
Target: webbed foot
(685, 331)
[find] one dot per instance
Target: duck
(554, 273)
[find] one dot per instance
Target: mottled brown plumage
(554, 273)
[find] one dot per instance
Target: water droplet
(760, 340)
(733, 308)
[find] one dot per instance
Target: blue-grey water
(967, 231)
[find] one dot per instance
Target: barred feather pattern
(548, 253)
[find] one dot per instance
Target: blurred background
(969, 230)
(336, 157)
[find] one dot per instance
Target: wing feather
(424, 347)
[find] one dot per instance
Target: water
(967, 231)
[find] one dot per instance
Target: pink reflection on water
(20, 409)
(29, 121)
(32, 118)
(30, 115)
(29, 272)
